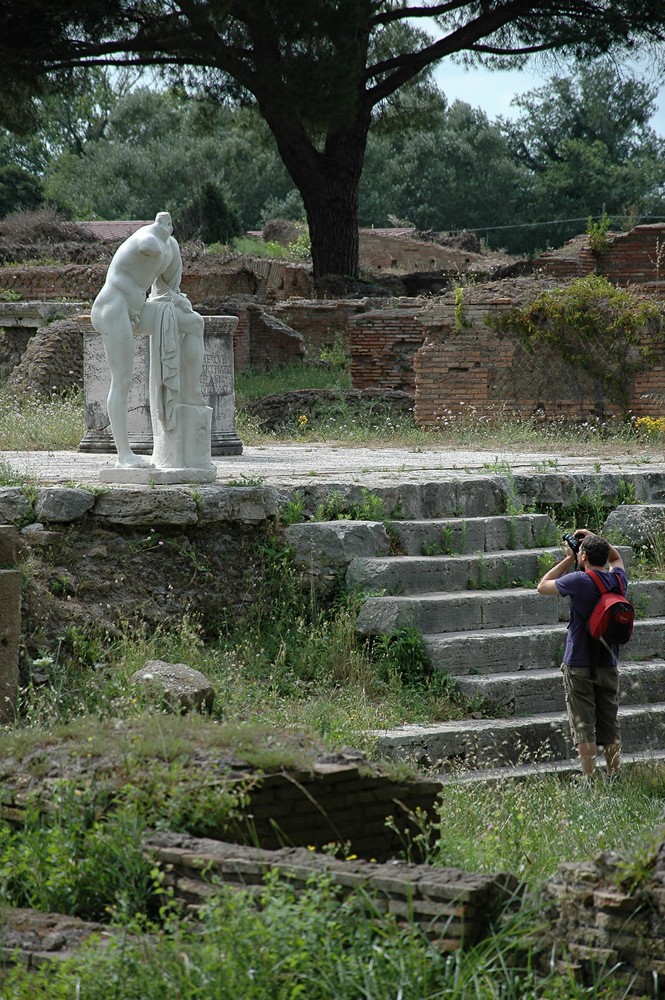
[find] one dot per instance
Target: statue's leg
(118, 338)
(190, 325)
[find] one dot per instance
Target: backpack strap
(602, 586)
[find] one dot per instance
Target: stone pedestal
(217, 387)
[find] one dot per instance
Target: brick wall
(453, 908)
(321, 321)
(382, 344)
(595, 923)
(630, 258)
(272, 343)
(471, 367)
(273, 280)
(385, 250)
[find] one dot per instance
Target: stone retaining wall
(10, 621)
(272, 280)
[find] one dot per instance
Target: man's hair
(596, 548)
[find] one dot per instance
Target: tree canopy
(317, 71)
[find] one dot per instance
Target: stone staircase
(472, 596)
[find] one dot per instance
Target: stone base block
(157, 477)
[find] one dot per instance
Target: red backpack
(613, 616)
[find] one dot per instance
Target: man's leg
(581, 709)
(588, 753)
(613, 758)
(608, 733)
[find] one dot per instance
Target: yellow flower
(303, 420)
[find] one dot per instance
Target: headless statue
(150, 259)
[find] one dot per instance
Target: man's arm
(547, 585)
(614, 559)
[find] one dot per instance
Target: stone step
(527, 692)
(504, 650)
(546, 768)
(460, 611)
(457, 535)
(503, 568)
(488, 743)
(485, 609)
(423, 574)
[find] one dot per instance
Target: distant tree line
(109, 146)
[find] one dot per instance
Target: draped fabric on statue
(165, 332)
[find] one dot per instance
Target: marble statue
(181, 421)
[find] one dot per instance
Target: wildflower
(303, 420)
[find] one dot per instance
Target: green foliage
(207, 216)
(444, 546)
(9, 295)
(74, 862)
(254, 247)
(589, 507)
(586, 141)
(528, 827)
(315, 945)
(459, 313)
(336, 355)
(294, 511)
(301, 248)
(595, 328)
(597, 233)
(18, 190)
(337, 507)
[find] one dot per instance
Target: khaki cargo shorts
(592, 704)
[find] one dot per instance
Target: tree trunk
(332, 216)
(328, 181)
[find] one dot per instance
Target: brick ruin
(404, 343)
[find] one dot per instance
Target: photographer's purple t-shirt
(584, 595)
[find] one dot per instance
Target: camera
(573, 542)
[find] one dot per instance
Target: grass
(58, 423)
(528, 827)
(295, 666)
(316, 945)
(53, 424)
(257, 383)
(88, 861)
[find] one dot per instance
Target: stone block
(247, 504)
(141, 506)
(636, 524)
(217, 386)
(61, 504)
(175, 684)
(10, 634)
(325, 545)
(8, 545)
(15, 506)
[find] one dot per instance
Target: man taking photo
(590, 670)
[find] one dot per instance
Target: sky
(493, 91)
